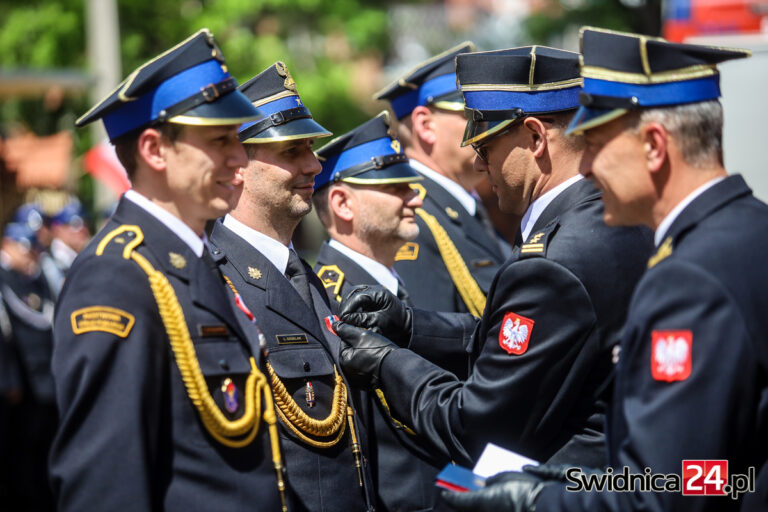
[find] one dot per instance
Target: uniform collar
(62, 253)
(383, 275)
(457, 191)
(169, 220)
(538, 206)
(666, 223)
(273, 250)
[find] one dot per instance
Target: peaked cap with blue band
(367, 155)
(624, 71)
(188, 84)
(502, 86)
(432, 82)
(284, 116)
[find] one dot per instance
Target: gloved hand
(375, 307)
(362, 354)
(506, 492)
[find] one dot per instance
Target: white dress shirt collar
(62, 253)
(170, 221)
(675, 212)
(457, 191)
(383, 275)
(539, 205)
(272, 249)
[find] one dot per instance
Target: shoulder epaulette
(126, 236)
(332, 277)
(536, 244)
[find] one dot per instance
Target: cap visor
(479, 130)
(306, 128)
(587, 118)
(396, 173)
(452, 101)
(232, 108)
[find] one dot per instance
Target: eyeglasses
(481, 149)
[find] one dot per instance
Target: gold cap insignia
(451, 212)
(395, 145)
(254, 273)
(288, 83)
(177, 260)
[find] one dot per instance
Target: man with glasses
(689, 399)
(541, 353)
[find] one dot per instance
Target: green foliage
(319, 40)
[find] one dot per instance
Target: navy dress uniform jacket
(301, 349)
(403, 471)
(426, 277)
(539, 393)
(706, 290)
(130, 438)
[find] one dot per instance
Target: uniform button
(224, 364)
(217, 251)
(306, 367)
(130, 234)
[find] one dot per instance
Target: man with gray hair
(689, 404)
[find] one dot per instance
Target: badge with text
(102, 318)
(515, 333)
(671, 355)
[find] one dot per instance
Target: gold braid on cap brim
(231, 433)
(469, 290)
(303, 425)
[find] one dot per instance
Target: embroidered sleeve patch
(515, 333)
(671, 355)
(102, 318)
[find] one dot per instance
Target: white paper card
(496, 459)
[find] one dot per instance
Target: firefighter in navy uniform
(450, 265)
(365, 203)
(541, 354)
(163, 401)
(323, 439)
(691, 378)
(26, 322)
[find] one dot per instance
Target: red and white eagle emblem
(671, 355)
(515, 333)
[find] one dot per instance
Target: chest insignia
(229, 390)
(177, 260)
(254, 273)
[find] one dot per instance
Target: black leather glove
(375, 307)
(362, 354)
(506, 492)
